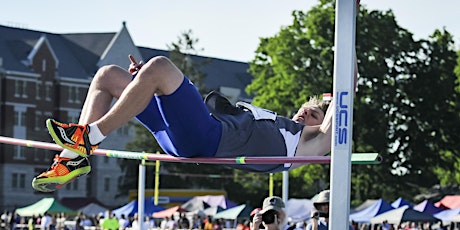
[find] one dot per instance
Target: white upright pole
(141, 196)
(285, 194)
(343, 92)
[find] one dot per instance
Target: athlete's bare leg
(108, 83)
(158, 76)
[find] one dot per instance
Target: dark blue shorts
(181, 123)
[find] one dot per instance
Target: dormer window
(43, 65)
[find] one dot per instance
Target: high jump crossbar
(358, 158)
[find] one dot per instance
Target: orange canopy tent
(168, 212)
(449, 202)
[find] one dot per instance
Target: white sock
(95, 135)
(68, 154)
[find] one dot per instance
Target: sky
(228, 30)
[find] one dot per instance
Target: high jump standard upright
(342, 125)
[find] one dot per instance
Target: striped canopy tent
(45, 205)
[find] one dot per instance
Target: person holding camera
(320, 217)
(272, 216)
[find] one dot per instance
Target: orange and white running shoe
(62, 171)
(73, 137)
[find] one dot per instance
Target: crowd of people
(271, 216)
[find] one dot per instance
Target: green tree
(399, 83)
(183, 53)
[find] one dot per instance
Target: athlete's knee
(109, 73)
(159, 66)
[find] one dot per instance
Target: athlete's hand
(134, 67)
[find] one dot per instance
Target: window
(38, 86)
(38, 121)
(18, 180)
(20, 89)
(72, 186)
(74, 95)
(18, 153)
(36, 154)
(106, 184)
(70, 98)
(72, 116)
(43, 65)
(16, 118)
(77, 95)
(19, 117)
(48, 91)
(75, 185)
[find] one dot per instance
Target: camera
(269, 217)
(320, 214)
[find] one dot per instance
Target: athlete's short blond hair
(316, 101)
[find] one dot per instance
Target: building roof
(79, 56)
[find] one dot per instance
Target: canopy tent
(447, 215)
(211, 211)
(235, 212)
(131, 208)
(298, 209)
(400, 202)
(428, 207)
(194, 204)
(93, 209)
(403, 214)
(455, 219)
(364, 205)
(365, 215)
(449, 202)
(168, 212)
(197, 212)
(217, 200)
(48, 205)
(76, 203)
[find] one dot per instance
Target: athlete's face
(309, 115)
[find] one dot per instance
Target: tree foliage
(406, 107)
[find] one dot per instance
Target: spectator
(208, 224)
(137, 224)
(320, 217)
(60, 221)
(183, 222)
(171, 224)
(45, 222)
(272, 216)
(164, 223)
(123, 222)
(110, 222)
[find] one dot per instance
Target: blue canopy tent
(365, 215)
(403, 214)
(447, 215)
(364, 205)
(131, 208)
(400, 202)
(428, 207)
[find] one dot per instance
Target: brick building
(46, 75)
